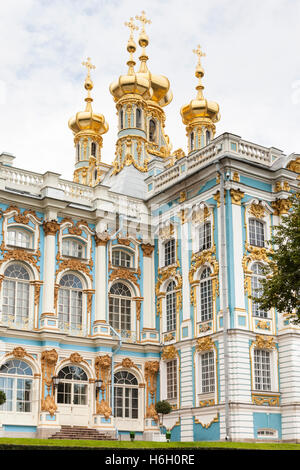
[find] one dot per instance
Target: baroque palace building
(132, 283)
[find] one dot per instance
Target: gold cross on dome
(88, 64)
(143, 19)
(199, 53)
(131, 26)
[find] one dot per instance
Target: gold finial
(143, 41)
(88, 64)
(131, 46)
(142, 18)
(88, 84)
(199, 71)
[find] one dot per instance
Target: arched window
(121, 258)
(16, 382)
(152, 130)
(15, 303)
(72, 247)
(257, 276)
(73, 386)
(70, 303)
(93, 149)
(121, 119)
(170, 252)
(126, 393)
(138, 118)
(205, 236)
(206, 300)
(19, 237)
(256, 232)
(120, 307)
(192, 140)
(171, 306)
(207, 137)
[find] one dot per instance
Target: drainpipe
(223, 270)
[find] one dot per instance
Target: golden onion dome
(131, 83)
(87, 120)
(200, 108)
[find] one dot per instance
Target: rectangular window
(205, 236)
(208, 372)
(170, 252)
(172, 379)
(262, 370)
(256, 233)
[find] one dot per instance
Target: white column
(50, 228)
(100, 279)
(148, 287)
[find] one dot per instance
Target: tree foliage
(281, 287)
(2, 397)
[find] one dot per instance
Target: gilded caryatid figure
(88, 128)
(200, 115)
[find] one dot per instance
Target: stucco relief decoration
(198, 260)
(281, 206)
(101, 238)
(21, 254)
(204, 344)
(48, 363)
(147, 249)
(166, 232)
(236, 196)
(51, 227)
(169, 352)
(257, 210)
(264, 342)
(150, 373)
(102, 369)
(19, 353)
(200, 215)
(255, 253)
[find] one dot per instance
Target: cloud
(252, 69)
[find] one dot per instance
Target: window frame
(207, 372)
(20, 286)
(120, 320)
(261, 375)
(206, 311)
(19, 230)
(72, 240)
(205, 236)
(169, 248)
(71, 295)
(255, 238)
(125, 392)
(14, 391)
(172, 380)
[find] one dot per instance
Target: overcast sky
(252, 69)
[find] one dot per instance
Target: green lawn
(48, 443)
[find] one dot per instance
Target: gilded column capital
(101, 238)
(147, 249)
(51, 227)
(281, 206)
(236, 196)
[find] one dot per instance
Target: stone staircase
(83, 433)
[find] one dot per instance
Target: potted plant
(163, 408)
(132, 436)
(168, 436)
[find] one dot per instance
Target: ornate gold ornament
(123, 273)
(199, 216)
(294, 165)
(48, 363)
(51, 227)
(127, 363)
(167, 232)
(147, 249)
(19, 353)
(236, 196)
(264, 342)
(257, 210)
(74, 265)
(150, 373)
(270, 400)
(101, 238)
(22, 218)
(20, 254)
(204, 344)
(102, 369)
(169, 352)
(281, 206)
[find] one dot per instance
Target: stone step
(81, 432)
